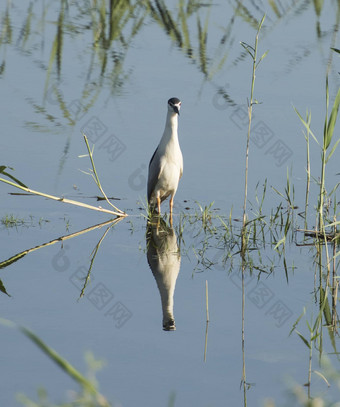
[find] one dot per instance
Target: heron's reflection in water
(164, 260)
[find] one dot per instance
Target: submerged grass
(10, 221)
(325, 243)
(14, 221)
(326, 152)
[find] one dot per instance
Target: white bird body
(166, 164)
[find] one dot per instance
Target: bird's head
(174, 105)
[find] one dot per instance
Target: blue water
(144, 364)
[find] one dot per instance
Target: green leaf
(336, 50)
(261, 23)
(61, 362)
(2, 171)
(309, 327)
(332, 120)
(254, 220)
(332, 224)
(322, 376)
(278, 192)
(262, 57)
(304, 340)
(280, 242)
(297, 321)
(247, 48)
(3, 289)
(335, 256)
(325, 127)
(332, 151)
(323, 309)
(306, 125)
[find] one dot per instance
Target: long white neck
(171, 126)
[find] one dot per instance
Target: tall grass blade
(61, 362)
(332, 150)
(262, 57)
(70, 370)
(96, 178)
(280, 242)
(307, 125)
(332, 119)
(326, 118)
(323, 301)
(326, 309)
(297, 321)
(322, 377)
(304, 340)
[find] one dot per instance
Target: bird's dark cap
(174, 101)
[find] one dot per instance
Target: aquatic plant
(20, 185)
(88, 396)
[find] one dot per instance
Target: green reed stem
(96, 178)
(252, 51)
(207, 299)
(307, 136)
(207, 323)
(62, 199)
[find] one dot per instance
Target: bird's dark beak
(176, 110)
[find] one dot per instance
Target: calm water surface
(115, 90)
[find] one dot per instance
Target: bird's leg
(159, 204)
(171, 204)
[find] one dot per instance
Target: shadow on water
(60, 264)
(164, 259)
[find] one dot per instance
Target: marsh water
(80, 283)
